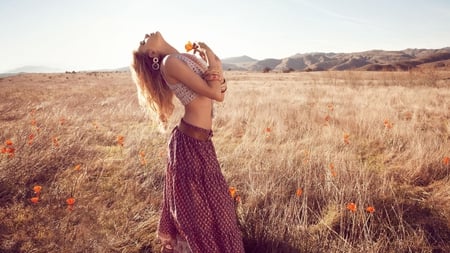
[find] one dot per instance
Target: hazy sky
(98, 34)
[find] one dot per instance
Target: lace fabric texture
(181, 91)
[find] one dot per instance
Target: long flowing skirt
(198, 212)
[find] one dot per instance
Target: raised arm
(179, 71)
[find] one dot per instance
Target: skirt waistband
(194, 131)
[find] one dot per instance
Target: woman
(197, 211)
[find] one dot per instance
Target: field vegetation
(318, 162)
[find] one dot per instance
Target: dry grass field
(319, 162)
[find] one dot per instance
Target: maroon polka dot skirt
(198, 212)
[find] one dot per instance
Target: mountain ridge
(372, 60)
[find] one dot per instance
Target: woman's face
(151, 43)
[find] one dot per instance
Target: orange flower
(9, 150)
(37, 189)
(299, 192)
(77, 167)
(332, 171)
(30, 139)
(370, 209)
(327, 118)
(34, 200)
(387, 124)
(268, 130)
(70, 201)
(120, 140)
(232, 191)
(189, 46)
(351, 207)
(33, 122)
(346, 138)
(55, 141)
(62, 121)
(446, 160)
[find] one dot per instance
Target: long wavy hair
(155, 97)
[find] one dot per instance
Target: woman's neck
(168, 49)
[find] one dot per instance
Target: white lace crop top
(181, 91)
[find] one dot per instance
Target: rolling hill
(373, 60)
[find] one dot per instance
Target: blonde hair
(153, 93)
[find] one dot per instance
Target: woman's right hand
(207, 54)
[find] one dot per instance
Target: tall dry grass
(298, 148)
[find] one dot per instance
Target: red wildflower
(351, 207)
(332, 171)
(232, 191)
(30, 139)
(55, 141)
(34, 200)
(347, 138)
(388, 124)
(299, 192)
(120, 140)
(37, 189)
(70, 202)
(446, 160)
(370, 209)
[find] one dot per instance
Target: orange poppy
(30, 139)
(346, 138)
(232, 191)
(33, 122)
(332, 171)
(9, 142)
(370, 209)
(188, 46)
(351, 207)
(55, 141)
(327, 118)
(120, 140)
(10, 151)
(62, 121)
(446, 160)
(77, 167)
(70, 201)
(37, 189)
(34, 200)
(299, 192)
(388, 124)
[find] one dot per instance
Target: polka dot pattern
(184, 93)
(197, 210)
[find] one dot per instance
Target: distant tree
(266, 70)
(288, 70)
